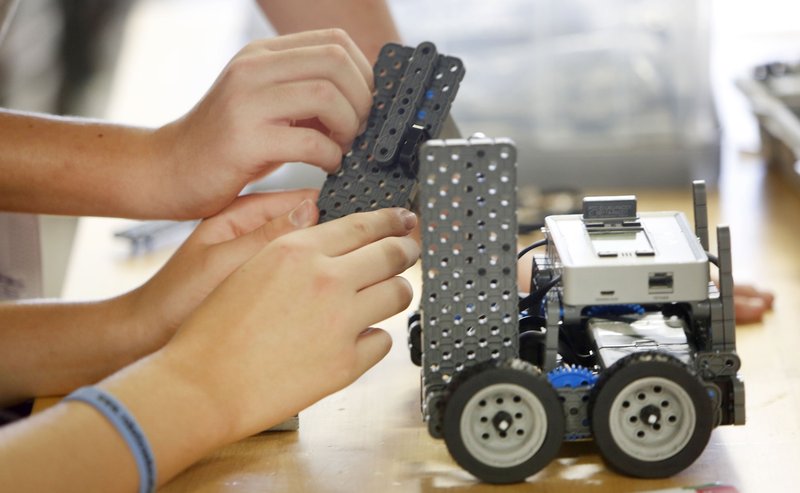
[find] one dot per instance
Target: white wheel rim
(494, 439)
(652, 419)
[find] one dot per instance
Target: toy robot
(622, 337)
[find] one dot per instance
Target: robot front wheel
(504, 423)
(650, 416)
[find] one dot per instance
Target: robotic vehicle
(622, 338)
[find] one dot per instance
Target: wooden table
(370, 436)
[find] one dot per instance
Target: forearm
(81, 451)
(240, 363)
(368, 22)
(51, 348)
(68, 166)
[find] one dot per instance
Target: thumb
(371, 347)
(302, 216)
(241, 249)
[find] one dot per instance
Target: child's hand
(216, 248)
(291, 325)
(297, 98)
(750, 303)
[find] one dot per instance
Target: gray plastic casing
(591, 275)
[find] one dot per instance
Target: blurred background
(619, 94)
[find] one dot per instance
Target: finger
(382, 300)
(748, 290)
(249, 212)
(386, 258)
(321, 99)
(305, 214)
(231, 254)
(372, 346)
(316, 38)
(769, 299)
(348, 233)
(290, 144)
(329, 62)
(749, 310)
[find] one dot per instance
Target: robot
(622, 338)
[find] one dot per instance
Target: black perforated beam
(414, 88)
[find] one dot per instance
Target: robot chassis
(622, 338)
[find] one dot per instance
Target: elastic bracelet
(126, 426)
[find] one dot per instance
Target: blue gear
(613, 310)
(571, 376)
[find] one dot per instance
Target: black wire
(535, 298)
(530, 247)
(713, 259)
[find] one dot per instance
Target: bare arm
(80, 450)
(368, 22)
(70, 166)
(297, 98)
(249, 357)
(51, 348)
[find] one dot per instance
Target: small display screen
(613, 243)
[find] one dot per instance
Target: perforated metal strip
(409, 96)
(469, 262)
(363, 183)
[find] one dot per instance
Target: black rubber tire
(642, 369)
(521, 379)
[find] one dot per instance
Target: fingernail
(302, 215)
(409, 219)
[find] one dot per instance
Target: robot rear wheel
(650, 416)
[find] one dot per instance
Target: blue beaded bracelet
(126, 426)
